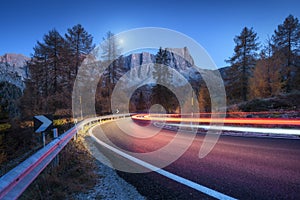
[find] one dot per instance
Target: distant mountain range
(13, 68)
(17, 60)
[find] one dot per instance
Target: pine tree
(80, 43)
(286, 41)
(53, 68)
(110, 55)
(162, 74)
(48, 69)
(204, 99)
(242, 62)
(50, 53)
(9, 100)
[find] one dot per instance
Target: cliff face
(13, 69)
(13, 59)
(140, 65)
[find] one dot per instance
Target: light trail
(248, 121)
(244, 129)
(233, 113)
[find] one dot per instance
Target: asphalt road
(241, 167)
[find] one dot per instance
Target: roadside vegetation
(18, 140)
(75, 173)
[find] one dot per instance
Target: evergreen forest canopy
(265, 70)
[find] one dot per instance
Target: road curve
(241, 167)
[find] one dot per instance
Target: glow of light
(121, 41)
(245, 129)
(249, 121)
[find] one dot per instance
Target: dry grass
(4, 127)
(75, 173)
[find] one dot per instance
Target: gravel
(110, 185)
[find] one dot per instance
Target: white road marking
(174, 177)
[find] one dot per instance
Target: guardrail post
(56, 159)
(75, 136)
(44, 139)
(55, 133)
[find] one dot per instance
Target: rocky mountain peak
(13, 69)
(12, 59)
(183, 53)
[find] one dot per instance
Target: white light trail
(244, 129)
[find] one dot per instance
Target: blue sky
(213, 24)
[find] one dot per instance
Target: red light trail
(248, 121)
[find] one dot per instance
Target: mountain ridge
(15, 59)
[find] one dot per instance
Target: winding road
(240, 167)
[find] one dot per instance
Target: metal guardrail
(14, 183)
